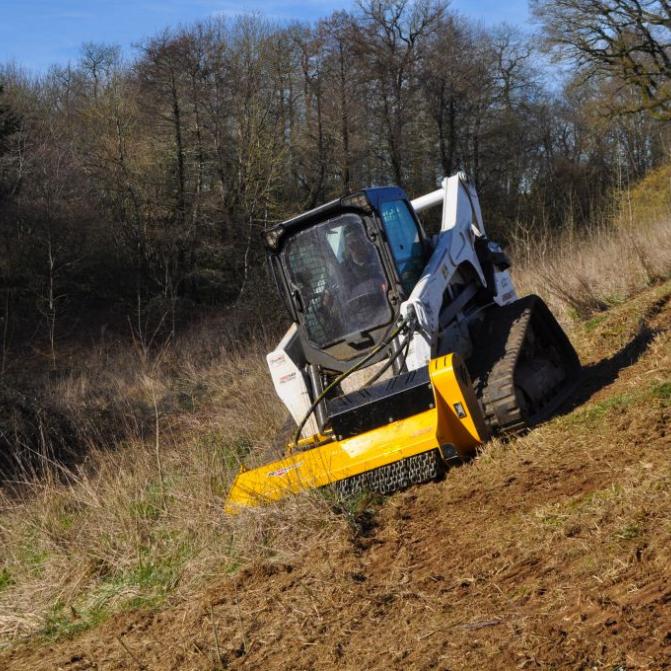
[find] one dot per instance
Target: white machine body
(453, 271)
(290, 384)
(453, 253)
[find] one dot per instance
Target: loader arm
(453, 274)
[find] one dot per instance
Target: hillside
(550, 551)
(145, 178)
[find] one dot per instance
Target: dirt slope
(550, 552)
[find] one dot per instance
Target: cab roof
(365, 201)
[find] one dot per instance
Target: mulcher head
(391, 456)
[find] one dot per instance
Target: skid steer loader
(405, 353)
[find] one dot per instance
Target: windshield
(336, 275)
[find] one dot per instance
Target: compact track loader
(405, 353)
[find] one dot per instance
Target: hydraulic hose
(384, 343)
(404, 345)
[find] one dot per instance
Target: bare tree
(390, 37)
(143, 184)
(99, 61)
(336, 36)
(629, 40)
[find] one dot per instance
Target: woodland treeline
(135, 190)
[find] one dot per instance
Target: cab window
(405, 242)
(337, 276)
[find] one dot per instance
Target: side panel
(505, 290)
(285, 366)
(460, 420)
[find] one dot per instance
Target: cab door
(405, 241)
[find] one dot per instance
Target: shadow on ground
(597, 376)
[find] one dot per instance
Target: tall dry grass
(583, 271)
(141, 520)
(580, 273)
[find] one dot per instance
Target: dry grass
(649, 200)
(139, 520)
(580, 274)
(547, 552)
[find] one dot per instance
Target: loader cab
(343, 270)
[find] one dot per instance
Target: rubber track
(493, 369)
(497, 390)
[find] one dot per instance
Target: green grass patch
(597, 497)
(594, 412)
(230, 452)
(64, 621)
(592, 323)
(628, 532)
(662, 391)
(351, 505)
(144, 601)
(553, 521)
(150, 503)
(5, 579)
(31, 556)
(144, 510)
(624, 317)
(615, 299)
(146, 584)
(157, 571)
(66, 521)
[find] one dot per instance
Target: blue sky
(37, 33)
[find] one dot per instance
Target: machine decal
(276, 360)
(284, 470)
(459, 410)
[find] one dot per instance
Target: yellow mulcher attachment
(407, 451)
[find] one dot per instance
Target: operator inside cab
(361, 278)
(361, 260)
(338, 280)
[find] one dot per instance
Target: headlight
(273, 236)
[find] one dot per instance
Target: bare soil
(552, 551)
